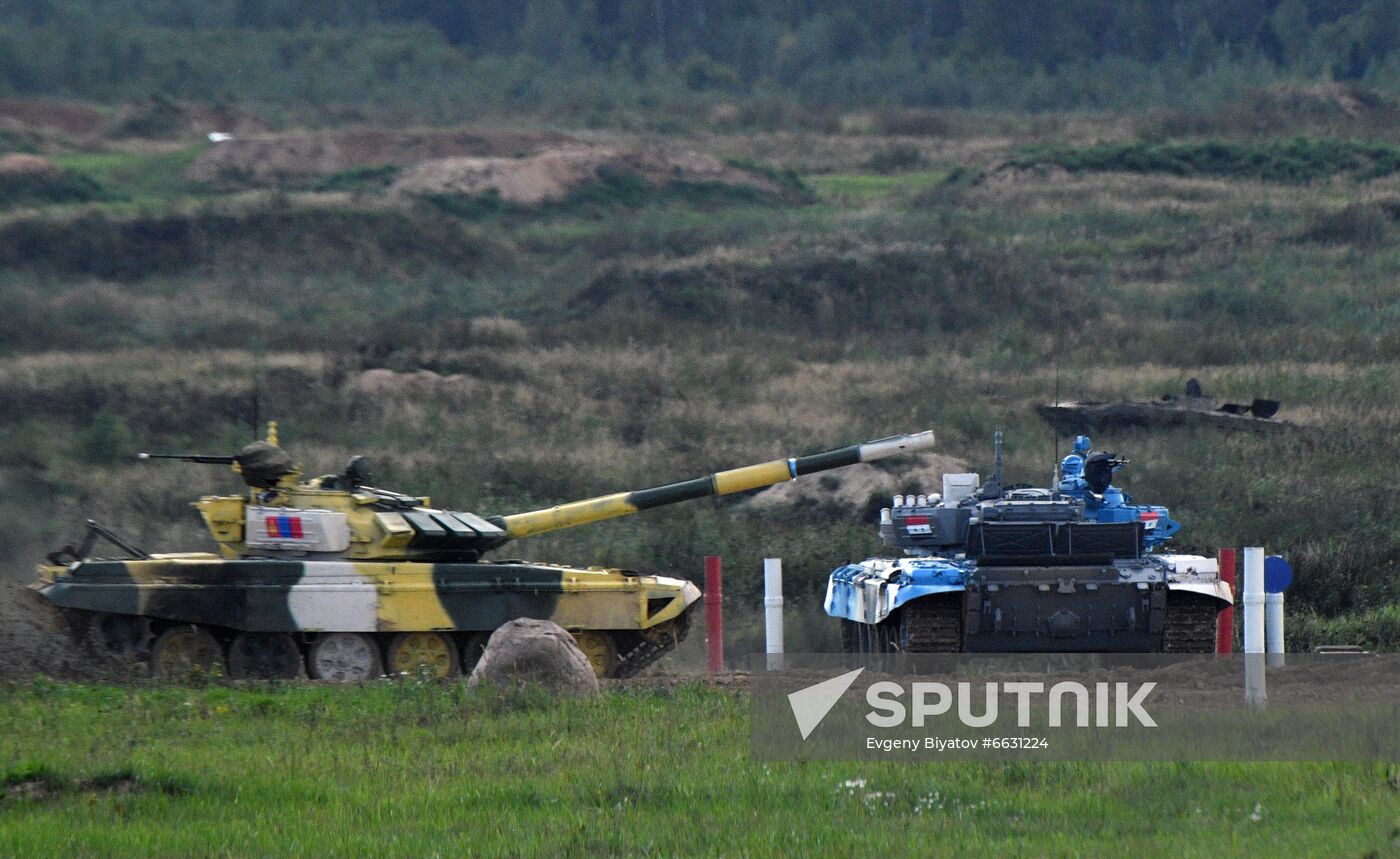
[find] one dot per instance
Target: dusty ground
(552, 175)
(268, 159)
(19, 164)
(66, 117)
(34, 640)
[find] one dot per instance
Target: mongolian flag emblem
(284, 527)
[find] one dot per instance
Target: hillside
(688, 301)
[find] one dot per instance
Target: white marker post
(1273, 628)
(773, 610)
(1254, 688)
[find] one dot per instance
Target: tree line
(601, 54)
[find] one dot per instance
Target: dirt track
(32, 640)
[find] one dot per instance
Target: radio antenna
(1054, 431)
(257, 387)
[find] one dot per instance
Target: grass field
(406, 769)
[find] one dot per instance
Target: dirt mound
(270, 159)
(853, 488)
(19, 164)
(65, 117)
(380, 382)
(551, 176)
(36, 639)
(1319, 99)
(159, 117)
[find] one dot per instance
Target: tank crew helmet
(1072, 466)
(263, 465)
(1081, 444)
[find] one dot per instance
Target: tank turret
(340, 515)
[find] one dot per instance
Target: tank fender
(926, 576)
(1196, 574)
(1219, 590)
(869, 591)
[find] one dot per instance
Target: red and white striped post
(714, 615)
(1225, 620)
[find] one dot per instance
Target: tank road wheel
(430, 652)
(600, 649)
(265, 656)
(128, 636)
(344, 657)
(185, 653)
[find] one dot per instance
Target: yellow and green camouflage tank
(339, 580)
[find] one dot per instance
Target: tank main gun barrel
(719, 483)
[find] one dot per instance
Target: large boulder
(541, 652)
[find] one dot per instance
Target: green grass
(1298, 160)
(399, 769)
(1376, 629)
(359, 179)
(140, 178)
(863, 187)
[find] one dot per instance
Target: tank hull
(313, 597)
(1016, 614)
(1162, 604)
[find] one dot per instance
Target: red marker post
(1225, 621)
(714, 615)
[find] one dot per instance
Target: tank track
(653, 644)
(932, 624)
(1189, 625)
(637, 651)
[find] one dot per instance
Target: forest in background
(659, 63)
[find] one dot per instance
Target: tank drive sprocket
(644, 650)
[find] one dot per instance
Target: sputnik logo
(810, 705)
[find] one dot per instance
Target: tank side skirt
(250, 595)
(96, 586)
(502, 593)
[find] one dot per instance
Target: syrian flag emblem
(917, 525)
